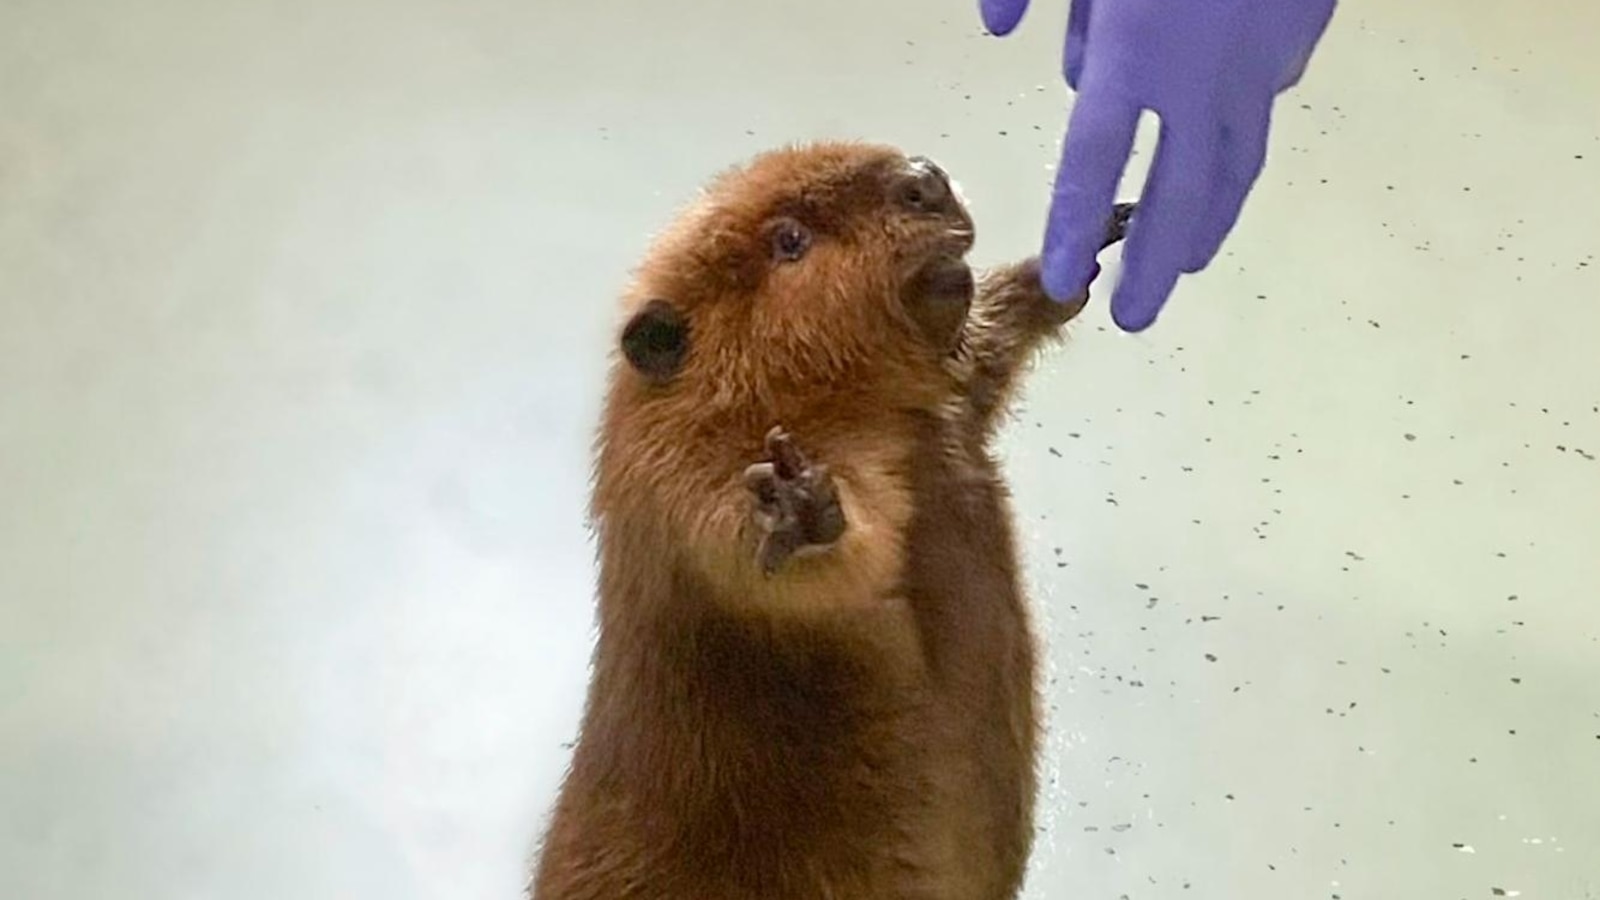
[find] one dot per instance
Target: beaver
(814, 674)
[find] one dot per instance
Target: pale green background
(303, 307)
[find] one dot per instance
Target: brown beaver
(814, 675)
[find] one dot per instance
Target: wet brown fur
(861, 722)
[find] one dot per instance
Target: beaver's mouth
(947, 241)
(938, 296)
(946, 276)
(939, 293)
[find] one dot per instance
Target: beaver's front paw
(797, 505)
(1019, 286)
(1017, 290)
(1117, 228)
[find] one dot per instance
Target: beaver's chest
(964, 585)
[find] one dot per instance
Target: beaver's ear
(656, 341)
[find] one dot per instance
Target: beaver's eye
(790, 240)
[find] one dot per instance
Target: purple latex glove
(1211, 70)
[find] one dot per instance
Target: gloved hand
(1210, 69)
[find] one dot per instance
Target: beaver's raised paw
(797, 505)
(1018, 291)
(1021, 284)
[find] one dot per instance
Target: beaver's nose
(924, 188)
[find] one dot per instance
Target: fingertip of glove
(1134, 314)
(1000, 17)
(1200, 259)
(1062, 282)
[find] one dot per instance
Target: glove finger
(1001, 16)
(1099, 139)
(1077, 41)
(1170, 209)
(1312, 25)
(1241, 154)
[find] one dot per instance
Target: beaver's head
(807, 271)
